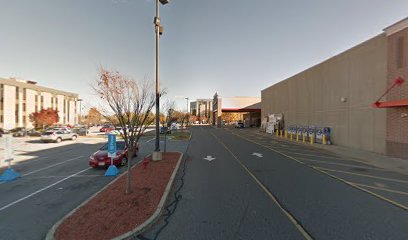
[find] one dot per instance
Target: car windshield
(119, 146)
(48, 133)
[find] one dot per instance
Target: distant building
(248, 109)
(202, 109)
(20, 98)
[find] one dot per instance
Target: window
(400, 52)
(17, 93)
(25, 94)
(24, 107)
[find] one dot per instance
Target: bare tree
(131, 103)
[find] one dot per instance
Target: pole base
(157, 156)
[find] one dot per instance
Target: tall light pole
(159, 30)
(187, 116)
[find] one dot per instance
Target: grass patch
(181, 135)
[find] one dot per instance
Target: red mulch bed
(112, 213)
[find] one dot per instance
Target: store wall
(338, 93)
(397, 118)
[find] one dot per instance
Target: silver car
(58, 136)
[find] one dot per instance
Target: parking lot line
(341, 164)
(42, 189)
(382, 189)
(291, 218)
(364, 190)
(363, 175)
(331, 175)
(53, 165)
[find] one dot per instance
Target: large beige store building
(340, 92)
(20, 98)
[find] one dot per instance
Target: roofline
(12, 82)
(326, 60)
(396, 27)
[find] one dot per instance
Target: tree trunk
(128, 185)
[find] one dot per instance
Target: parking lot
(390, 186)
(55, 179)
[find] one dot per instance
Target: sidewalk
(370, 158)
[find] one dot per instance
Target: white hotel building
(20, 98)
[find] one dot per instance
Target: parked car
(33, 133)
(3, 131)
(240, 125)
(19, 132)
(81, 131)
(101, 159)
(57, 136)
(106, 128)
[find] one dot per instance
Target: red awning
(391, 104)
(241, 110)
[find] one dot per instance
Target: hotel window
(25, 94)
(400, 52)
(17, 93)
(36, 103)
(24, 107)
(16, 113)
(1, 96)
(42, 102)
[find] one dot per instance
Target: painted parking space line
(400, 205)
(42, 189)
(341, 164)
(150, 140)
(53, 165)
(363, 175)
(331, 175)
(290, 217)
(77, 176)
(382, 189)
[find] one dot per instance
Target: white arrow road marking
(209, 158)
(258, 154)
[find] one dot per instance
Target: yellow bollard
(297, 137)
(286, 133)
(291, 136)
(311, 140)
(324, 139)
(277, 132)
(304, 139)
(281, 133)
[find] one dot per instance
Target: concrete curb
(152, 219)
(51, 232)
(142, 227)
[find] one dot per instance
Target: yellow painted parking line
(342, 164)
(292, 219)
(363, 175)
(382, 189)
(365, 190)
(333, 176)
(312, 155)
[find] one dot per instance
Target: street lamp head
(186, 98)
(164, 1)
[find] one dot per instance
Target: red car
(101, 159)
(106, 128)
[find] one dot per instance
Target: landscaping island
(112, 213)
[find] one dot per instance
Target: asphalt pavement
(53, 183)
(243, 185)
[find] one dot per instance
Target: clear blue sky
(235, 47)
